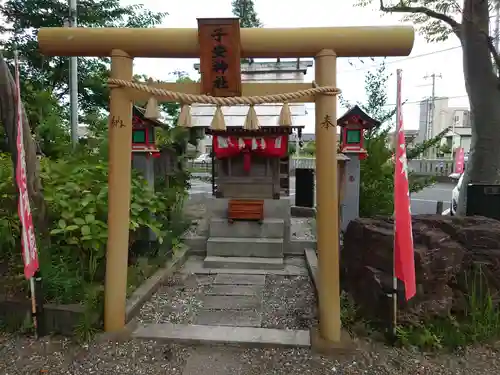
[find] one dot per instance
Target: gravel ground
(177, 301)
(289, 303)
(25, 356)
(302, 228)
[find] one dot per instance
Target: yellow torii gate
(325, 44)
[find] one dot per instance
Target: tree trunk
(484, 96)
(8, 118)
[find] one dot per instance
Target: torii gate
(325, 44)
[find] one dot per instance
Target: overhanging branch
(493, 51)
(401, 8)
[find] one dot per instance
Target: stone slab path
(249, 307)
(233, 300)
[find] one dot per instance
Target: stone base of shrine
(247, 244)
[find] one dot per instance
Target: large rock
(449, 253)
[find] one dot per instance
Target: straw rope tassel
(185, 116)
(285, 115)
(251, 122)
(152, 109)
(218, 122)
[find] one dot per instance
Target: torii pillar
(323, 43)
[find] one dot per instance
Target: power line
(399, 60)
(421, 100)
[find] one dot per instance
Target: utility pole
(431, 106)
(73, 77)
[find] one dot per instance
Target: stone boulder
(450, 252)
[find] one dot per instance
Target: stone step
(245, 247)
(230, 302)
(241, 279)
(210, 335)
(269, 228)
(232, 318)
(234, 290)
(244, 263)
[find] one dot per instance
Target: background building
(434, 120)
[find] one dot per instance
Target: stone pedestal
(350, 202)
(248, 244)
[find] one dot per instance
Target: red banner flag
(28, 242)
(459, 160)
(404, 262)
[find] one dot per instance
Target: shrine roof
(263, 130)
(358, 116)
(140, 112)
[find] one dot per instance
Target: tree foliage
(244, 9)
(44, 78)
(470, 23)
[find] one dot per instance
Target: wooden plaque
(220, 53)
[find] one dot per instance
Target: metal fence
(424, 167)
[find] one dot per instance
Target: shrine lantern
(353, 125)
(143, 134)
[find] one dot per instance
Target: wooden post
(120, 148)
(327, 199)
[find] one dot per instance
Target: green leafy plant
(73, 261)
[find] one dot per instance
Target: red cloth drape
(229, 146)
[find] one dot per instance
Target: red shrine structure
(354, 123)
(250, 166)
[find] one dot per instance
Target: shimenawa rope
(226, 101)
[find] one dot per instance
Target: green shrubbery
(72, 260)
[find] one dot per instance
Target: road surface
(423, 202)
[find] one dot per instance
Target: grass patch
(479, 323)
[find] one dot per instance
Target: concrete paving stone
(235, 290)
(206, 361)
(200, 334)
(245, 318)
(245, 247)
(237, 262)
(269, 228)
(231, 279)
(204, 279)
(195, 266)
(230, 302)
(295, 261)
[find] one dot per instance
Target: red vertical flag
(28, 241)
(404, 262)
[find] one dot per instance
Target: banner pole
(394, 305)
(33, 307)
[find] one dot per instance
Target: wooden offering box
(239, 209)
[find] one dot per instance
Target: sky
(444, 58)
